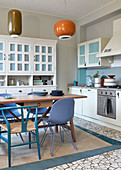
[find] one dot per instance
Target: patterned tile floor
(107, 161)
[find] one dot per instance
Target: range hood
(113, 47)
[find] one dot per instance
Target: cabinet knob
(8, 56)
(4, 56)
(34, 57)
(80, 91)
(20, 91)
(118, 94)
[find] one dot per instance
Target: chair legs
(69, 136)
(29, 140)
(9, 149)
(38, 146)
(52, 133)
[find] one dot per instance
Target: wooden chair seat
(16, 127)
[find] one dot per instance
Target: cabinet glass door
(19, 57)
(82, 55)
(93, 51)
(2, 57)
(43, 59)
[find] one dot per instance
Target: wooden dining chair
(61, 112)
(26, 125)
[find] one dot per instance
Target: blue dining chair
(61, 112)
(41, 111)
(7, 113)
(26, 125)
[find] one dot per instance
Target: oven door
(107, 106)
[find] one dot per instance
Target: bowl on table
(40, 93)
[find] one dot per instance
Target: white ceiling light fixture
(64, 29)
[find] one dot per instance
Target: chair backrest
(62, 111)
(24, 119)
(15, 111)
(40, 110)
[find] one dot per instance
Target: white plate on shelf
(109, 83)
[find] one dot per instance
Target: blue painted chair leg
(0, 134)
(52, 141)
(21, 137)
(29, 140)
(61, 135)
(9, 149)
(43, 138)
(69, 136)
(38, 146)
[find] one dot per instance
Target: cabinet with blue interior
(19, 58)
(23, 58)
(44, 58)
(88, 53)
(82, 54)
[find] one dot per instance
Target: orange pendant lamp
(64, 29)
(14, 23)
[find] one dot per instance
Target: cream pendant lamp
(14, 23)
(64, 29)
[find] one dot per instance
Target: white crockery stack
(110, 81)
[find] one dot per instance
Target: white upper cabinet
(29, 61)
(2, 57)
(19, 58)
(44, 58)
(88, 53)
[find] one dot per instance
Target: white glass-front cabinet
(19, 58)
(27, 63)
(82, 55)
(88, 53)
(2, 57)
(44, 59)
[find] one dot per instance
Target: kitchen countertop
(103, 88)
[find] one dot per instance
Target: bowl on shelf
(111, 76)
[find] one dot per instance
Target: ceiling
(70, 9)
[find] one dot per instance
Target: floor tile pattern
(107, 161)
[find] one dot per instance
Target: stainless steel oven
(107, 103)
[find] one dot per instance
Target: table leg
(72, 130)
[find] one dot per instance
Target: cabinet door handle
(89, 90)
(85, 64)
(8, 56)
(99, 63)
(4, 56)
(80, 91)
(118, 94)
(34, 57)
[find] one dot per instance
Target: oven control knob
(105, 92)
(101, 92)
(110, 93)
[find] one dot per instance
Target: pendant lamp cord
(65, 5)
(15, 3)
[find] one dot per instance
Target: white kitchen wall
(42, 26)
